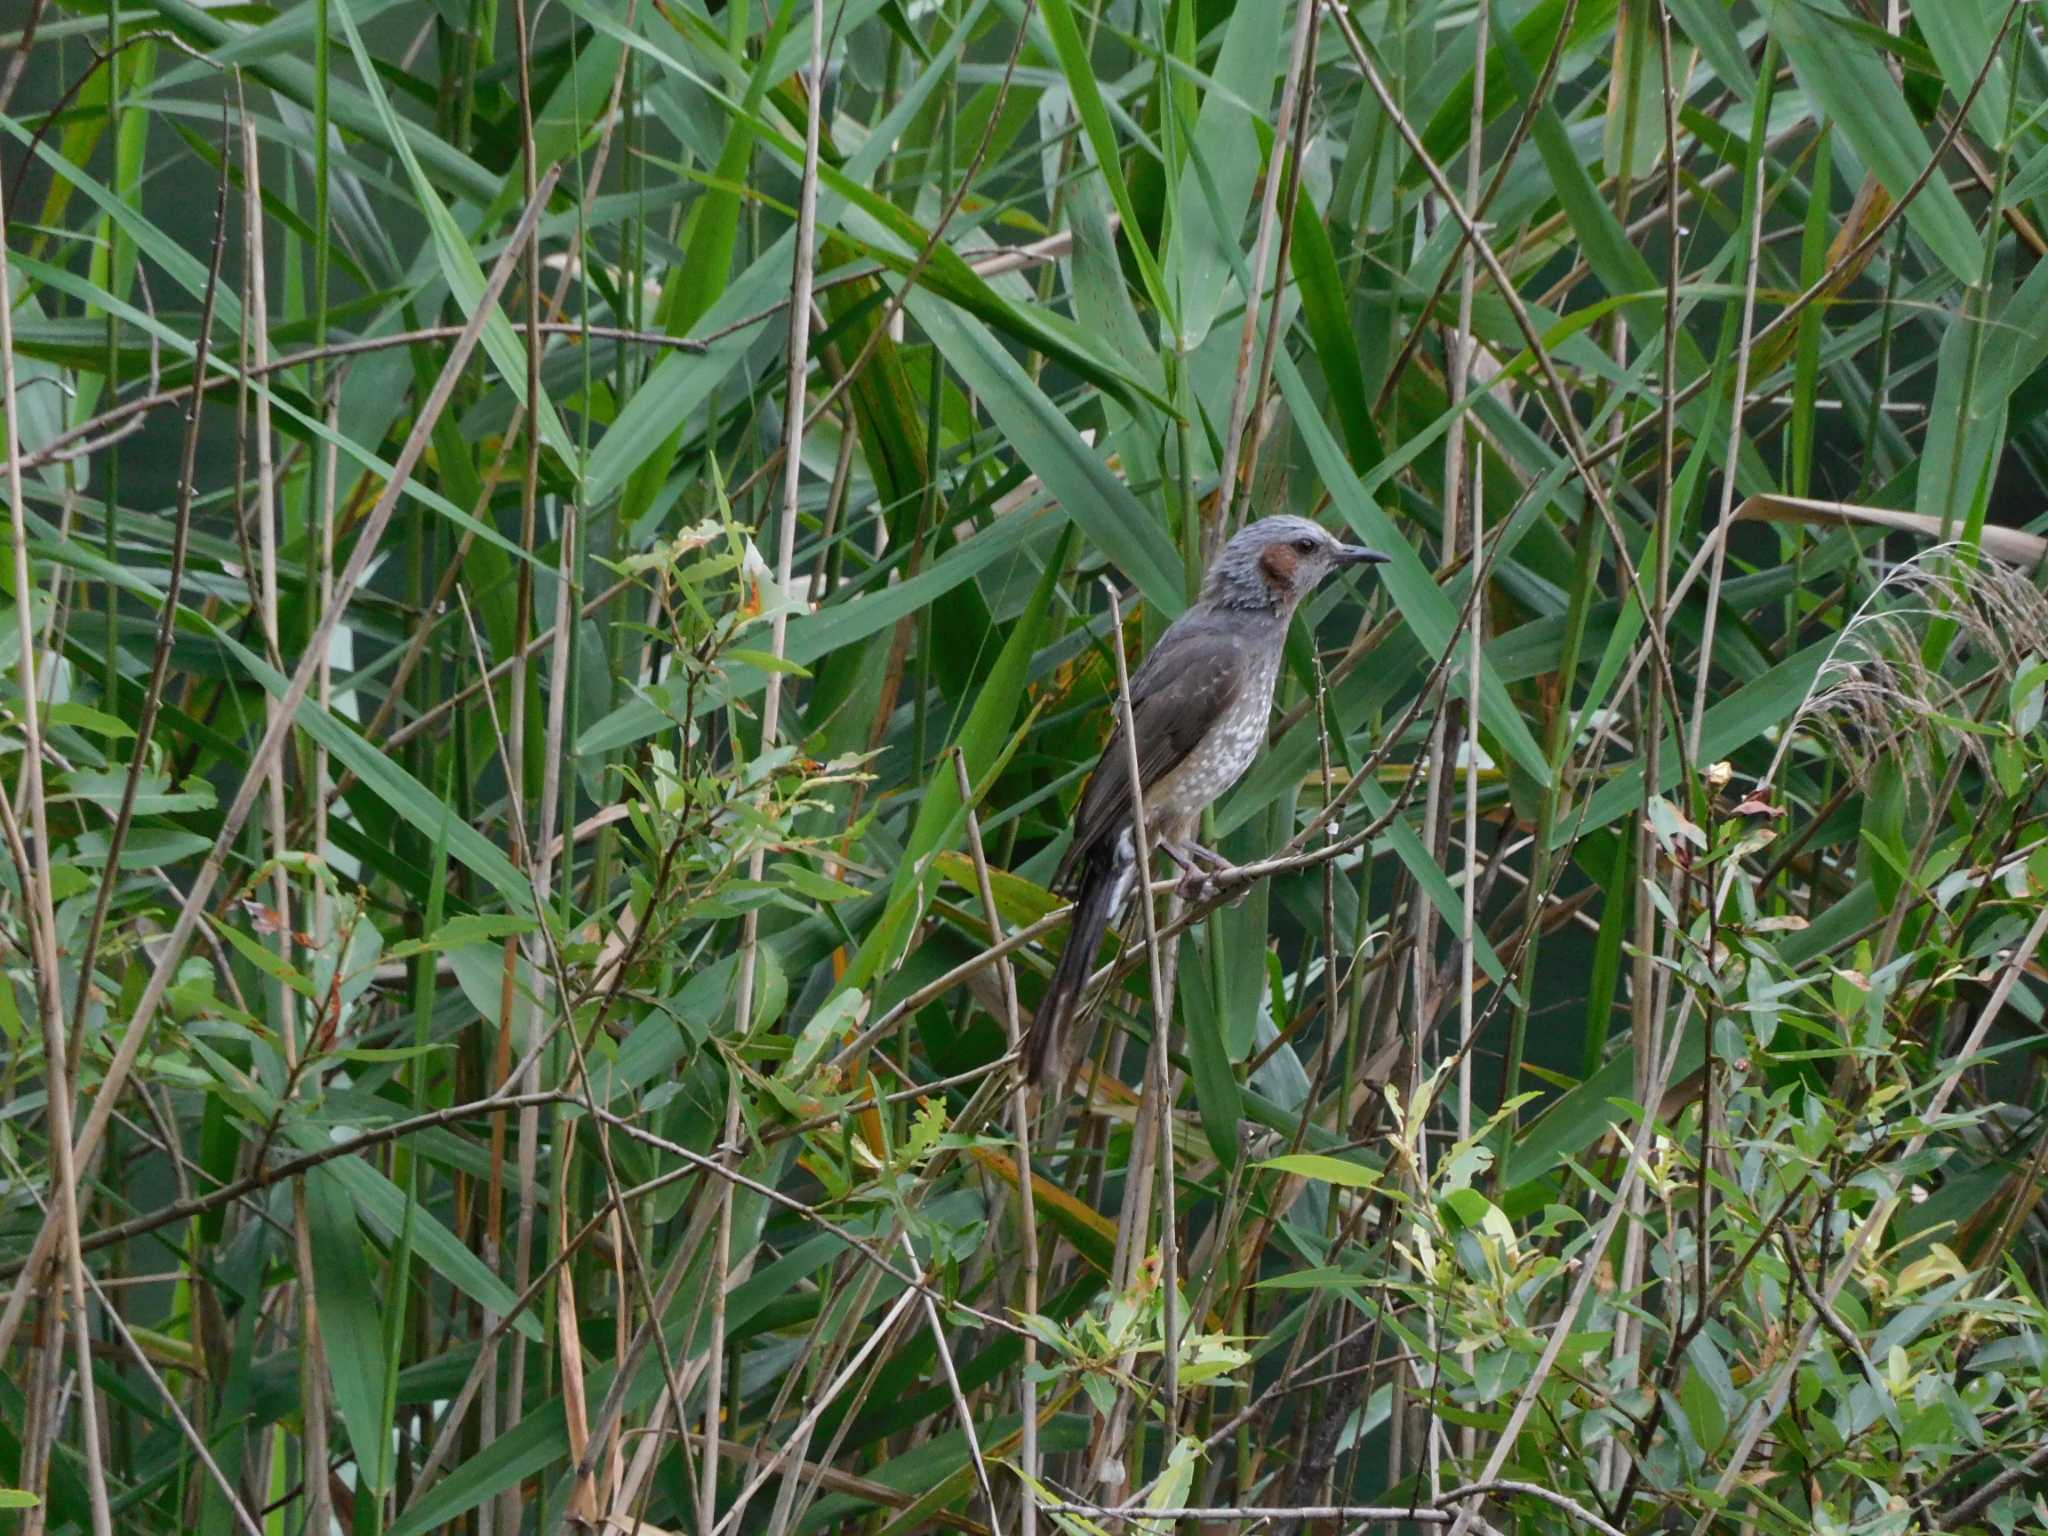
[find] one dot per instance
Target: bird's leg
(1192, 879)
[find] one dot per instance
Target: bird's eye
(1306, 546)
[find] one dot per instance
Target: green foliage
(529, 984)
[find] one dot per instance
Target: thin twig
(193, 1438)
(879, 1335)
(67, 444)
(1719, 543)
(1852, 259)
(900, 295)
(525, 1005)
(1455, 483)
(1020, 1121)
(960, 1408)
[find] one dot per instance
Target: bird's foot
(1194, 880)
(1204, 871)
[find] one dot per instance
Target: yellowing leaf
(1092, 1233)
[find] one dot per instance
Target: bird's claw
(1205, 873)
(1221, 878)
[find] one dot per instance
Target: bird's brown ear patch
(1278, 564)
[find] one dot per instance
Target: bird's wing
(1192, 676)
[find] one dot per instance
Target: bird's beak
(1358, 554)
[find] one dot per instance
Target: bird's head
(1276, 562)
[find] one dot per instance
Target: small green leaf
(83, 717)
(819, 887)
(1325, 1169)
(766, 662)
(270, 964)
(467, 928)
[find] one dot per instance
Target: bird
(1199, 707)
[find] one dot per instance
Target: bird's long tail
(1104, 885)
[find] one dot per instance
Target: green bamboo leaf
(697, 282)
(1634, 128)
(677, 388)
(1533, 37)
(1813, 262)
(1707, 24)
(515, 1454)
(351, 1329)
(1086, 91)
(1326, 312)
(467, 928)
(1215, 1077)
(572, 110)
(1204, 237)
(1325, 1169)
(1102, 299)
(374, 1197)
(1850, 87)
(1088, 493)
(1409, 848)
(266, 961)
(1961, 34)
(892, 237)
(888, 417)
(1580, 1117)
(1603, 238)
(941, 1472)
(1981, 363)
(290, 408)
(178, 263)
(642, 437)
(812, 637)
(882, 231)
(541, 1439)
(1617, 915)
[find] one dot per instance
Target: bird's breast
(1226, 751)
